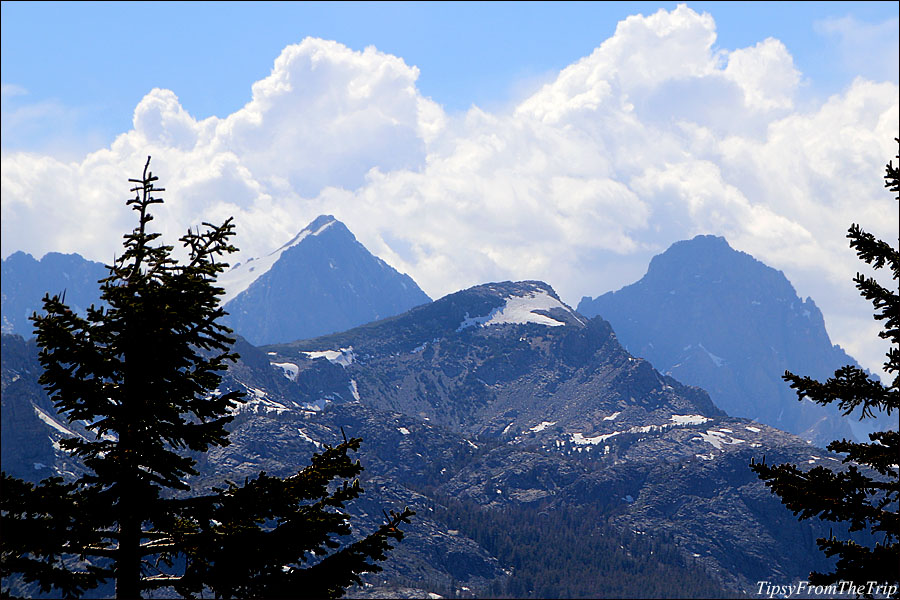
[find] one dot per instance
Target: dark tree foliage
(142, 373)
(865, 494)
(232, 552)
(40, 525)
(573, 552)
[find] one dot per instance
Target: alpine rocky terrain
(31, 427)
(558, 415)
(542, 458)
(719, 319)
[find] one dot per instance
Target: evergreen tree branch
(864, 500)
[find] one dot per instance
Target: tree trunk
(128, 559)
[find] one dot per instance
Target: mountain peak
(707, 238)
(317, 226)
(519, 302)
(707, 262)
(242, 275)
(699, 251)
(321, 281)
(717, 318)
(26, 280)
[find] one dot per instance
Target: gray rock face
(491, 360)
(320, 282)
(719, 319)
(25, 281)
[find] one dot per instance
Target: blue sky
(465, 142)
(88, 64)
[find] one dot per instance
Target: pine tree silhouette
(143, 373)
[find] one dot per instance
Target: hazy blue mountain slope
(25, 280)
(31, 426)
(320, 282)
(719, 319)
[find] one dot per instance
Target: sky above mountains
(465, 143)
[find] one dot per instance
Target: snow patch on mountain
(258, 401)
(317, 406)
(543, 425)
(718, 439)
(305, 437)
(520, 310)
(710, 438)
(677, 420)
(290, 370)
(579, 439)
(343, 357)
(717, 360)
(689, 419)
(242, 275)
(53, 423)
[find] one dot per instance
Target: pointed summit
(321, 281)
(240, 277)
(318, 225)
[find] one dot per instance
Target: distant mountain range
(321, 281)
(533, 446)
(719, 319)
(704, 313)
(502, 398)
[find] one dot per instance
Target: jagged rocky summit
(717, 318)
(25, 281)
(321, 281)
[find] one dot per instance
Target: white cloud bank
(654, 137)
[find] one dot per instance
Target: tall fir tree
(143, 373)
(864, 494)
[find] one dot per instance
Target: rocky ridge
(26, 280)
(719, 319)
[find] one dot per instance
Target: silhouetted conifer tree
(143, 374)
(865, 494)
